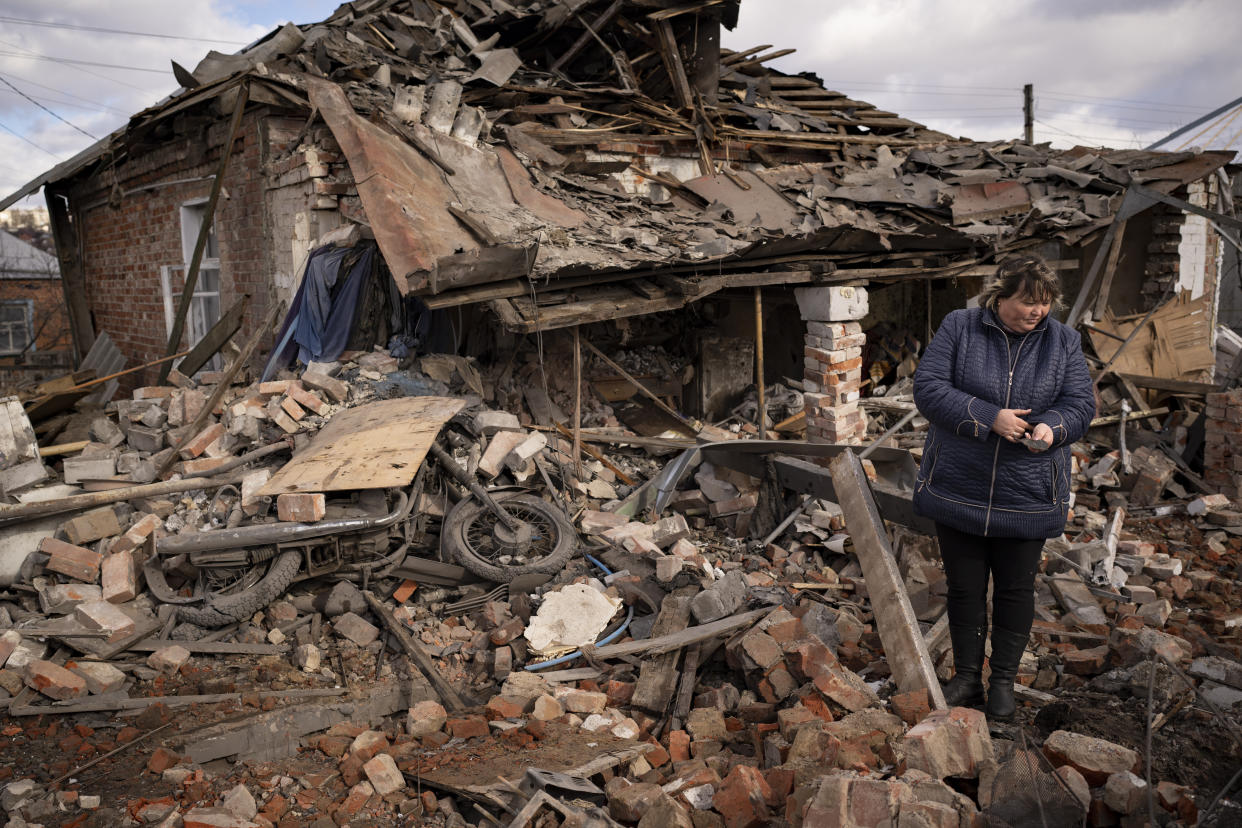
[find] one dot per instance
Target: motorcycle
(236, 571)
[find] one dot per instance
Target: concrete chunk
(22, 476)
(356, 628)
(488, 423)
(100, 677)
(953, 742)
(502, 442)
(168, 659)
(721, 599)
(383, 774)
(100, 615)
(337, 389)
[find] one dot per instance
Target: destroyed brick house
(539, 229)
(34, 327)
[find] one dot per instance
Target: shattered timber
(529, 440)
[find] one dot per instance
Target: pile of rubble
(666, 672)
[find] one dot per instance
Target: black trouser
(1011, 562)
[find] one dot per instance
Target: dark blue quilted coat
(970, 478)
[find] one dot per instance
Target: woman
(992, 376)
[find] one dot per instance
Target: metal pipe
(269, 533)
(459, 474)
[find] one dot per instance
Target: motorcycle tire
(223, 610)
(467, 530)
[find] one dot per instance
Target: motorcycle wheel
(474, 537)
(221, 610)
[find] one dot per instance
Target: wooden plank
(657, 678)
(215, 339)
(1110, 268)
(103, 704)
(1171, 385)
(448, 694)
(689, 677)
(904, 648)
(677, 640)
(672, 58)
(379, 445)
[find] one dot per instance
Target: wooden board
(374, 446)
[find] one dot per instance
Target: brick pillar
(1222, 461)
(832, 373)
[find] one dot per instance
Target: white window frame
(28, 344)
(204, 309)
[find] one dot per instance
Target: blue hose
(611, 637)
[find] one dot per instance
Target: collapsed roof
(603, 140)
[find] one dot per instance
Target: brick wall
(130, 223)
(1222, 443)
(52, 354)
(832, 374)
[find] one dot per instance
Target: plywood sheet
(374, 446)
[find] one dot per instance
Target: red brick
(467, 727)
(199, 443)
(77, 562)
(404, 591)
(54, 681)
(119, 577)
(161, 760)
(742, 798)
(912, 706)
(136, 534)
(679, 745)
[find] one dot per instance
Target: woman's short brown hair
(1023, 275)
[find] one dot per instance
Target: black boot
(965, 689)
(1007, 649)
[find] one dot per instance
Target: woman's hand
(1010, 425)
(1042, 433)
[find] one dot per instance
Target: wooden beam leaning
(904, 647)
(657, 678)
(642, 389)
(204, 230)
(215, 339)
(222, 387)
(1110, 269)
(448, 694)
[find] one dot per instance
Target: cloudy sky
(1109, 72)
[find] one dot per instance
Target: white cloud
(1122, 73)
(99, 99)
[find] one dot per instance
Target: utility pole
(1028, 113)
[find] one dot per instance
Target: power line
(28, 141)
(48, 24)
(7, 83)
(1065, 99)
(28, 53)
(73, 104)
(85, 62)
(67, 94)
(1083, 137)
(1122, 100)
(931, 86)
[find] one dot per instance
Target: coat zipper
(996, 454)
